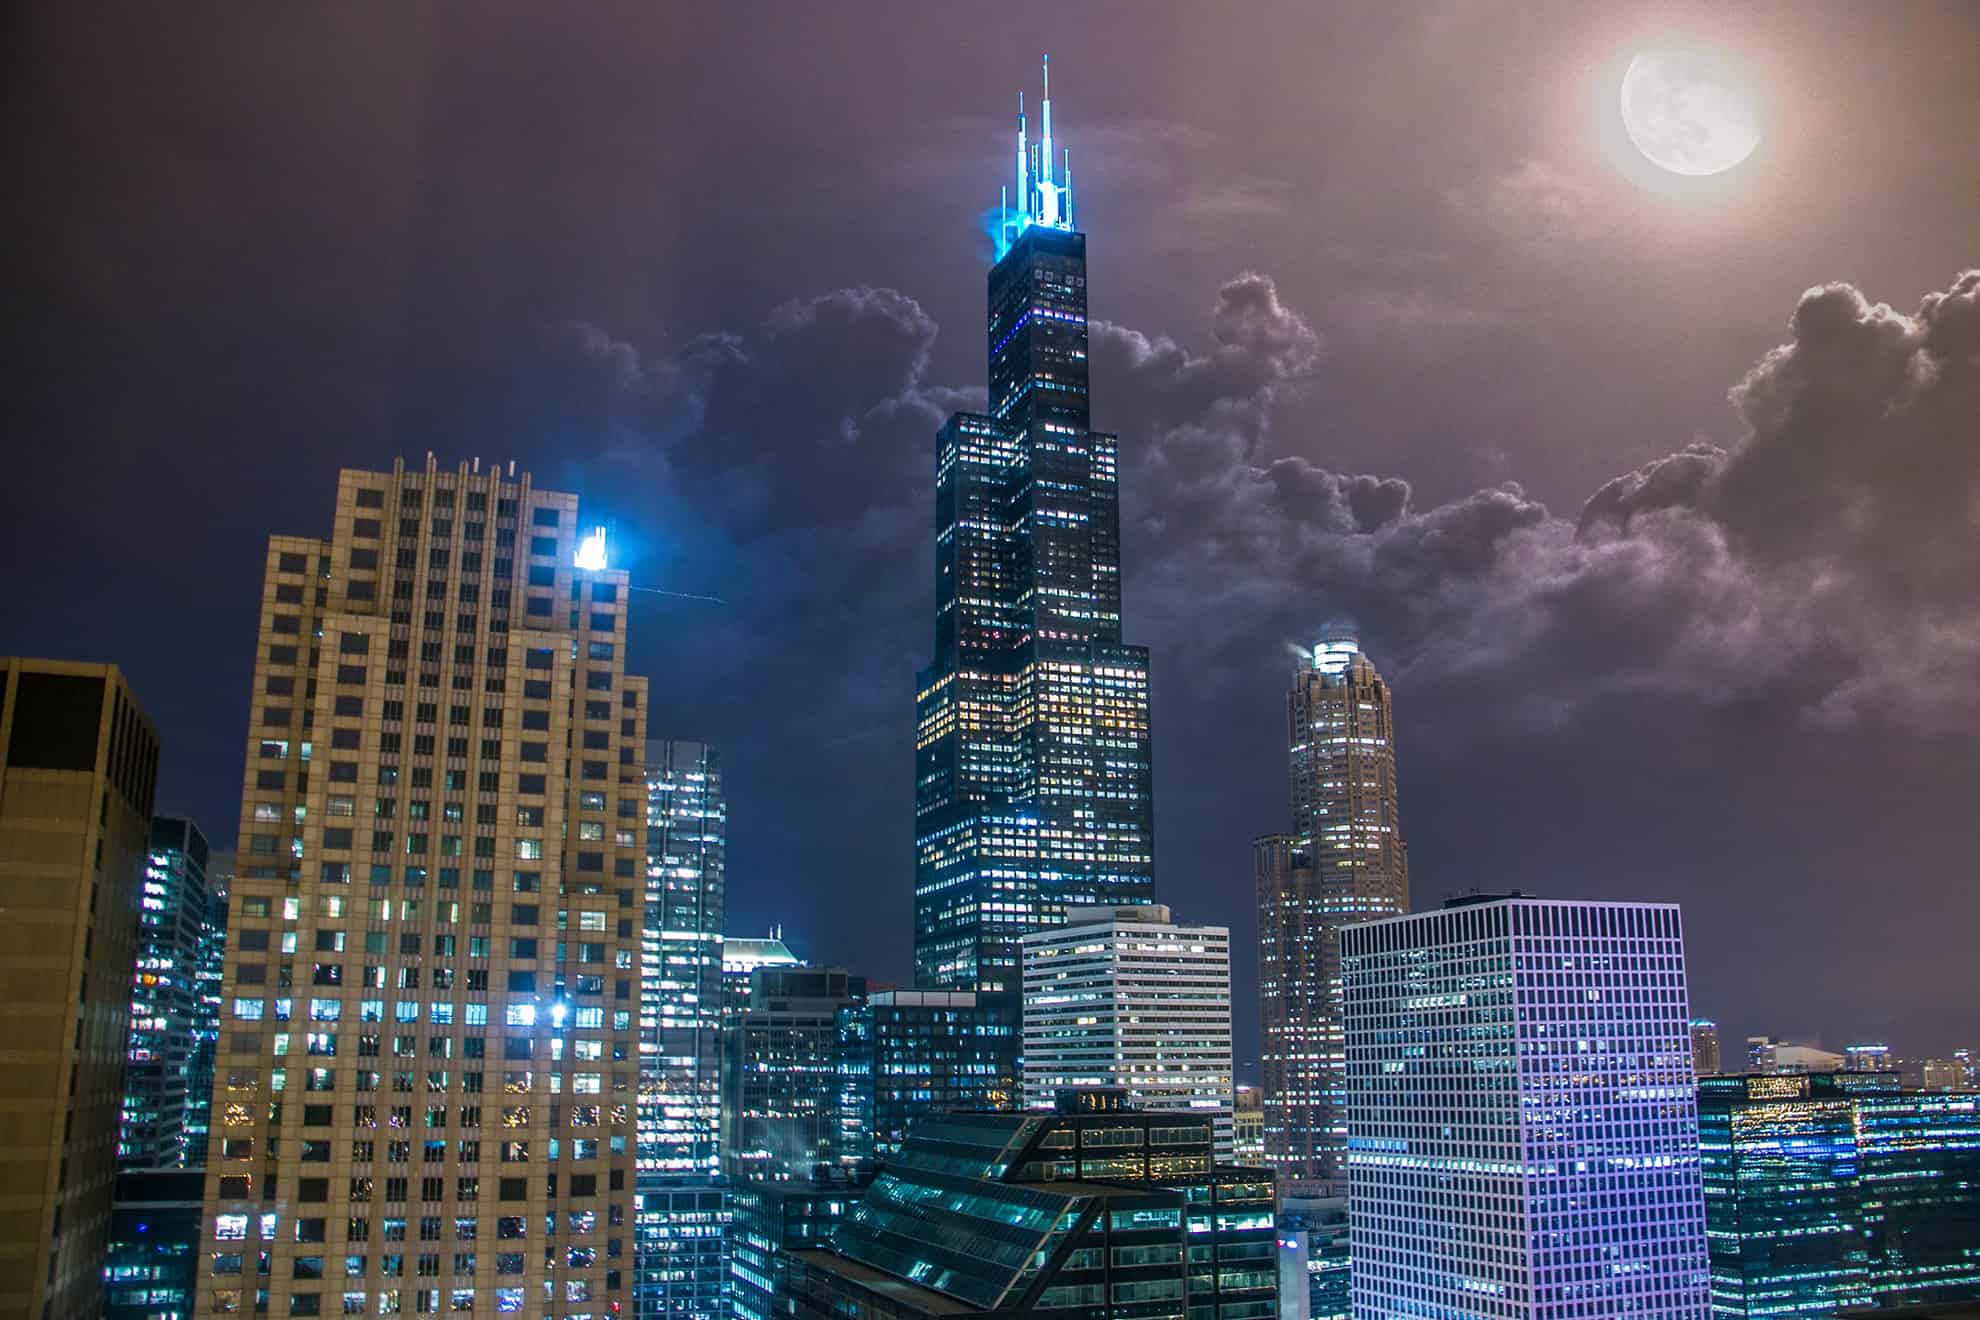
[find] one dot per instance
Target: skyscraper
(906, 1054)
(681, 1214)
(1827, 1190)
(1522, 1121)
(165, 997)
(780, 1072)
(1126, 997)
(428, 1067)
(681, 959)
(78, 771)
(1344, 861)
(1032, 772)
(1704, 1047)
(206, 1015)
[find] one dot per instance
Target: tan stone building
(78, 773)
(1343, 862)
(426, 1076)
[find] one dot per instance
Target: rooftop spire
(1044, 196)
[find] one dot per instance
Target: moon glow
(1687, 114)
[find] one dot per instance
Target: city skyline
(1456, 325)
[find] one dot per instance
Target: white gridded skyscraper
(1522, 1117)
(1126, 997)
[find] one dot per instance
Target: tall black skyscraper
(1032, 781)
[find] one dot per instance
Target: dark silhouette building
(1032, 772)
(78, 772)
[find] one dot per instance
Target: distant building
(771, 1218)
(1869, 1058)
(781, 1072)
(212, 960)
(741, 956)
(1704, 1047)
(1106, 1212)
(1315, 1264)
(680, 1215)
(1954, 1074)
(1831, 1190)
(78, 773)
(166, 1007)
(1768, 1054)
(686, 838)
(905, 1054)
(153, 1266)
(1248, 1126)
(1126, 997)
(682, 1266)
(1343, 862)
(1511, 1064)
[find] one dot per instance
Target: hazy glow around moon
(1687, 113)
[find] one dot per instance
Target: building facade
(1126, 997)
(681, 1210)
(1704, 1047)
(152, 1270)
(681, 960)
(1248, 1126)
(741, 956)
(429, 1051)
(904, 1054)
(1112, 1213)
(1032, 769)
(1343, 862)
(78, 773)
(1522, 1120)
(167, 1011)
(780, 1073)
(771, 1218)
(1832, 1190)
(211, 973)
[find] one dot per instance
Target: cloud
(1821, 563)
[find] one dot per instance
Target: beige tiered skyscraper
(424, 1092)
(1344, 861)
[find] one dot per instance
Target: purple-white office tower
(1522, 1118)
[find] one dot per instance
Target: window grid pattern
(1522, 1118)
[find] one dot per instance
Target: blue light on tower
(1044, 190)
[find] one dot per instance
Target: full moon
(1686, 113)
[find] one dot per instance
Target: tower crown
(1044, 183)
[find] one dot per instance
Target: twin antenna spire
(1044, 196)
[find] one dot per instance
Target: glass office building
(153, 1263)
(680, 1212)
(212, 963)
(1522, 1122)
(1833, 1190)
(1032, 770)
(167, 1013)
(1111, 1212)
(771, 1218)
(907, 1053)
(780, 1073)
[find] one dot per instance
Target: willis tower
(1032, 770)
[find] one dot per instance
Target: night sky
(1658, 503)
